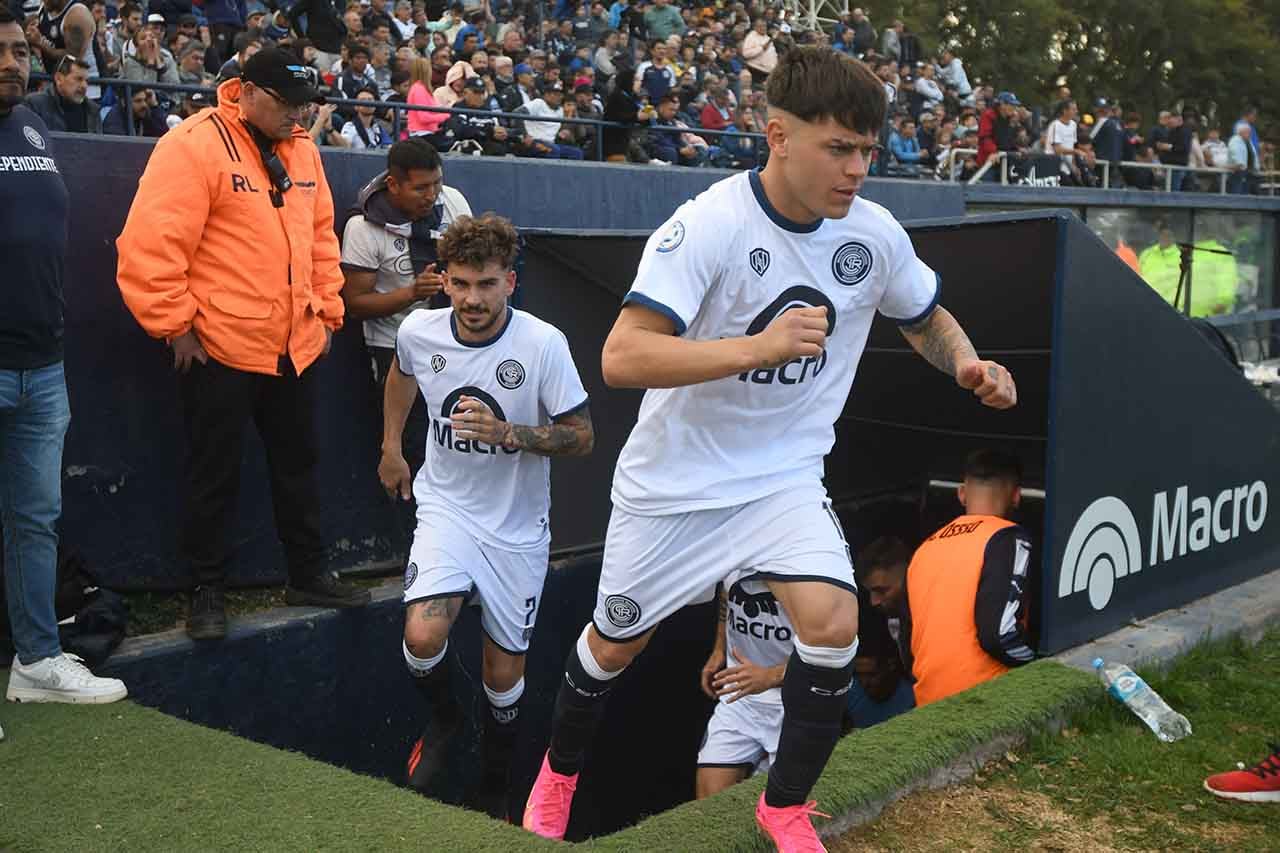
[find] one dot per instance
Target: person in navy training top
(34, 413)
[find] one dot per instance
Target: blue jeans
(34, 415)
(863, 711)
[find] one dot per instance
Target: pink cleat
(547, 811)
(790, 827)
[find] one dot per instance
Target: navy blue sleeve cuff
(933, 303)
(634, 298)
(568, 412)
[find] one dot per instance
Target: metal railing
(127, 88)
(1269, 181)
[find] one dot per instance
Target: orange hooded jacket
(204, 247)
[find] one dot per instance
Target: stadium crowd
(684, 81)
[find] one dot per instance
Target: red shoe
(790, 827)
(1260, 784)
(546, 812)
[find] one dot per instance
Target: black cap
(553, 86)
(475, 83)
(282, 72)
(188, 20)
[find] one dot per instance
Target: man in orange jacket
(967, 586)
(229, 255)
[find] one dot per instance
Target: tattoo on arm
(939, 338)
(571, 435)
(724, 605)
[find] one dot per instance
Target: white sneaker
(64, 678)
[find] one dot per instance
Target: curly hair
(476, 241)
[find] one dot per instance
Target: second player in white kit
(502, 395)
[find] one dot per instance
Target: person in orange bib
(967, 586)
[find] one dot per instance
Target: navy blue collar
(453, 327)
(757, 188)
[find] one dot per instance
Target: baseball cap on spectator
(577, 64)
(579, 82)
(1008, 98)
(553, 86)
(188, 20)
(248, 19)
(155, 18)
(523, 68)
(580, 86)
(476, 83)
(278, 70)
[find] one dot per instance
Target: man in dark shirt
(143, 112)
(65, 106)
(34, 412)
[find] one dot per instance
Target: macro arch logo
(1103, 547)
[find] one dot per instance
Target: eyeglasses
(279, 99)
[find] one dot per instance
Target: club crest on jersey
(511, 374)
(759, 260)
(851, 263)
(400, 244)
(438, 362)
(621, 611)
(673, 238)
(410, 575)
(798, 370)
(33, 136)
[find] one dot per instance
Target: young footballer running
(746, 321)
(502, 395)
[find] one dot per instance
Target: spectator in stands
(150, 63)
(951, 72)
(891, 41)
(450, 93)
(1179, 153)
(656, 77)
(606, 53)
(505, 88)
(403, 22)
(844, 43)
(65, 106)
(380, 67)
(998, 128)
(968, 586)
(759, 52)
(598, 24)
(129, 23)
(586, 105)
(423, 123)
(322, 23)
(192, 263)
(485, 131)
(1108, 135)
(143, 112)
(927, 87)
(227, 19)
(34, 413)
(881, 688)
(522, 93)
(1085, 173)
(906, 150)
(548, 137)
(441, 62)
(364, 130)
(663, 20)
(1242, 159)
(623, 108)
(191, 66)
(864, 35)
(325, 125)
(246, 45)
(376, 16)
(718, 112)
(670, 147)
(1143, 179)
(1216, 155)
(1062, 139)
(357, 74)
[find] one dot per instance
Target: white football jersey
(525, 375)
(725, 265)
(757, 629)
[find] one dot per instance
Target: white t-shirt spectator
(379, 249)
(1215, 151)
(543, 131)
(1064, 135)
(406, 28)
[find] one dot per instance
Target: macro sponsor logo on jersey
(746, 606)
(799, 370)
(1105, 544)
(442, 428)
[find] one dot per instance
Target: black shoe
(207, 619)
(325, 590)
(428, 754)
(492, 799)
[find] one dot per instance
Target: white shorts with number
(742, 734)
(654, 565)
(446, 560)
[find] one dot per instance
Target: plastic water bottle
(1125, 685)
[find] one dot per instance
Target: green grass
(1109, 764)
(124, 777)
